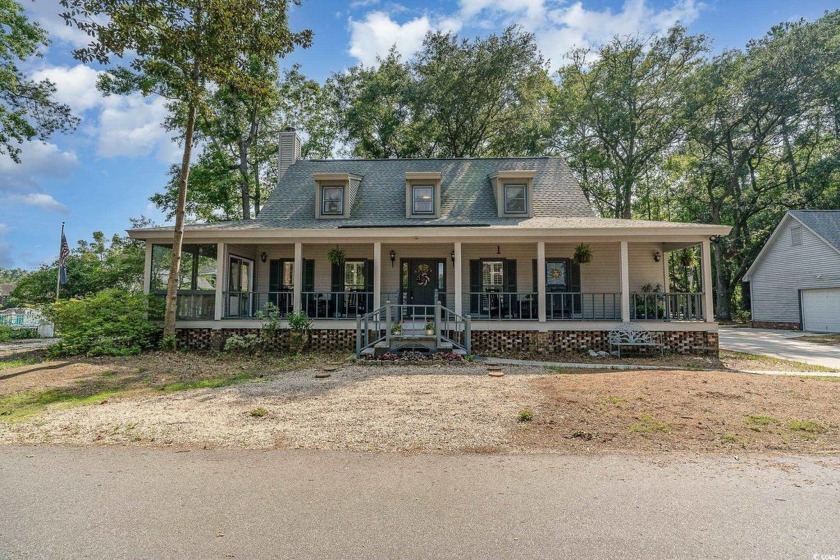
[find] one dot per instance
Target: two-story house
(485, 246)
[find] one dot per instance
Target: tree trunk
(246, 186)
(180, 211)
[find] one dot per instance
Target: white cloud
(39, 200)
(48, 14)
(560, 26)
(38, 160)
(377, 33)
(75, 85)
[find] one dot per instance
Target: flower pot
(430, 332)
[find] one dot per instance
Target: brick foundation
(561, 342)
(775, 325)
(483, 342)
(323, 340)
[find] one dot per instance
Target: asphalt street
(110, 502)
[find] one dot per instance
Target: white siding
(785, 269)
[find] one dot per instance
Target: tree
(453, 98)
(182, 50)
(27, 107)
(92, 266)
(620, 109)
(763, 139)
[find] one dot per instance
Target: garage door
(821, 310)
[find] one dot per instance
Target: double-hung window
(423, 200)
(332, 200)
(516, 198)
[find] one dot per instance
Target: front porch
(520, 288)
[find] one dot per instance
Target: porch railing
(502, 305)
(248, 305)
(647, 306)
(195, 305)
(583, 306)
(336, 305)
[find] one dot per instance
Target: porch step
(424, 342)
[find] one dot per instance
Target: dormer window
(513, 190)
(516, 198)
(334, 194)
(332, 200)
(422, 194)
(423, 199)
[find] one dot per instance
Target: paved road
(140, 503)
(779, 344)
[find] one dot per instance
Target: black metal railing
(582, 306)
(655, 306)
(336, 305)
(521, 306)
(249, 305)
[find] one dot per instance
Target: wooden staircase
(395, 328)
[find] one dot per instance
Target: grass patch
(613, 400)
(18, 362)
(213, 383)
(526, 415)
(730, 439)
(807, 426)
(20, 406)
(760, 420)
(258, 412)
(831, 339)
(775, 364)
(648, 424)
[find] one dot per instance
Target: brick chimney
(289, 151)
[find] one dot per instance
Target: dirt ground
(191, 399)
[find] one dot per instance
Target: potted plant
(336, 256)
(583, 254)
(397, 329)
(429, 328)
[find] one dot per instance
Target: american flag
(62, 256)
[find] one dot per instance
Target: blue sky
(103, 174)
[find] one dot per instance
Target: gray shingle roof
(826, 223)
(466, 193)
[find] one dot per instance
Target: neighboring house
(492, 240)
(795, 279)
(6, 293)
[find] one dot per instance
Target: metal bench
(634, 336)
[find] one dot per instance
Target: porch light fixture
(657, 256)
(263, 256)
(393, 256)
(452, 255)
(498, 249)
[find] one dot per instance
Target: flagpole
(58, 276)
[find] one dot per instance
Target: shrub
(258, 412)
(526, 415)
(299, 321)
(5, 333)
(242, 344)
(110, 323)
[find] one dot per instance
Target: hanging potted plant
(583, 254)
(430, 328)
(336, 256)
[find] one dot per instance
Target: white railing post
(624, 266)
(388, 323)
(541, 299)
(358, 336)
(458, 278)
(377, 275)
(467, 334)
(298, 277)
(708, 300)
(220, 282)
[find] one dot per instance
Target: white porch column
(147, 269)
(458, 278)
(220, 280)
(666, 273)
(298, 280)
(541, 281)
(706, 265)
(624, 265)
(377, 275)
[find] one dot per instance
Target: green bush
(242, 344)
(5, 333)
(110, 323)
